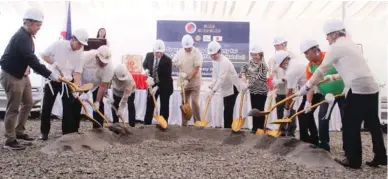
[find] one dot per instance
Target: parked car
(37, 96)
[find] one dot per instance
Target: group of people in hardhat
(341, 71)
(343, 66)
(67, 62)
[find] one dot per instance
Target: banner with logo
(233, 37)
(133, 63)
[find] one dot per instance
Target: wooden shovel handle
(312, 107)
(206, 106)
(290, 97)
(281, 102)
(241, 103)
(183, 90)
(98, 111)
(116, 111)
(154, 99)
(86, 112)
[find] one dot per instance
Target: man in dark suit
(159, 67)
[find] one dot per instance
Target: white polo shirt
(92, 72)
(67, 60)
(188, 61)
(295, 74)
(224, 76)
(123, 89)
(351, 65)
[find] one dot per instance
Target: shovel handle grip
(72, 86)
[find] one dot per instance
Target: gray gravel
(150, 153)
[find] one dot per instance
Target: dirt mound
(95, 140)
(264, 142)
(100, 139)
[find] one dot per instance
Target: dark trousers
(286, 129)
(308, 131)
(229, 102)
(131, 109)
(96, 116)
(70, 114)
(258, 102)
(358, 108)
(324, 136)
(164, 106)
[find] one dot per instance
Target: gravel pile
(147, 152)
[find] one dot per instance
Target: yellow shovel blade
(260, 132)
(161, 121)
(86, 87)
(281, 121)
(241, 123)
(202, 123)
(274, 133)
(237, 124)
(186, 111)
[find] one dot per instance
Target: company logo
(207, 38)
(198, 38)
(190, 27)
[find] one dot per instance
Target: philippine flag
(66, 30)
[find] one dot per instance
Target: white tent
(131, 25)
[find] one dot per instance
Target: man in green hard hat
(315, 56)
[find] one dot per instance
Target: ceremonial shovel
(258, 113)
(72, 88)
(185, 108)
(281, 121)
(160, 119)
(204, 122)
(239, 122)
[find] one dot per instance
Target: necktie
(155, 70)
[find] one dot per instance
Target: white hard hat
(104, 54)
(333, 25)
(255, 49)
(34, 14)
(82, 36)
(159, 46)
(278, 40)
(307, 44)
(187, 41)
(280, 56)
(121, 72)
(213, 47)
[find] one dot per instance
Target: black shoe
(132, 124)
(324, 146)
(377, 161)
(346, 163)
(43, 137)
(24, 137)
(13, 145)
